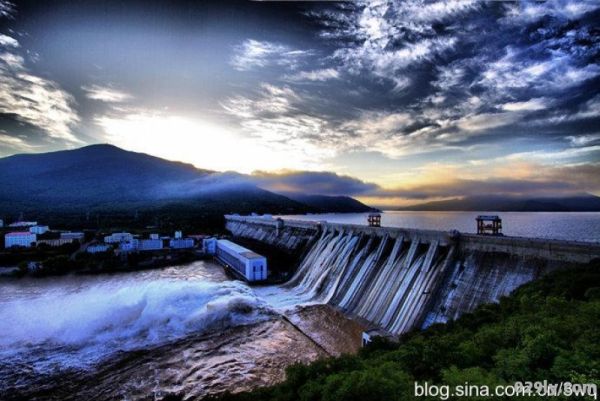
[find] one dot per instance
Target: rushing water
(580, 226)
(180, 330)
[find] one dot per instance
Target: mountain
(579, 203)
(332, 204)
(105, 178)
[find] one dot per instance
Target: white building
(154, 236)
(22, 238)
(23, 224)
(244, 262)
(209, 245)
(181, 243)
(150, 244)
(39, 229)
(118, 237)
(97, 248)
(73, 236)
(178, 235)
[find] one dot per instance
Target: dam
(397, 279)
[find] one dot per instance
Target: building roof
(245, 252)
(17, 233)
(483, 217)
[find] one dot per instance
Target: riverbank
(546, 330)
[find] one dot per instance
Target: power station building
(244, 262)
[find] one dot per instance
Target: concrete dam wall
(398, 279)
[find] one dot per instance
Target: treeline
(546, 330)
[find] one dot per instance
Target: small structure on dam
(489, 225)
(399, 279)
(374, 220)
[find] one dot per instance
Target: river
(572, 226)
(185, 331)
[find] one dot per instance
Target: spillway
(399, 279)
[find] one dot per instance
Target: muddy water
(181, 332)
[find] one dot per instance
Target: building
(374, 220)
(39, 229)
(178, 235)
(54, 241)
(181, 243)
(154, 236)
(209, 246)
(115, 238)
(1, 223)
(97, 248)
(22, 238)
(23, 224)
(79, 236)
(244, 262)
(129, 246)
(489, 225)
(152, 244)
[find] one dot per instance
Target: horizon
(391, 104)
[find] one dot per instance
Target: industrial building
(118, 237)
(152, 244)
(181, 243)
(21, 238)
(251, 266)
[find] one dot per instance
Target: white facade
(250, 265)
(154, 236)
(118, 237)
(150, 244)
(181, 243)
(24, 238)
(39, 229)
(178, 235)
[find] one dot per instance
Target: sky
(391, 102)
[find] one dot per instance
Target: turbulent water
(182, 330)
(580, 226)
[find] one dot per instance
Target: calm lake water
(582, 226)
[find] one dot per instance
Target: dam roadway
(397, 279)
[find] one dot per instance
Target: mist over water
(61, 324)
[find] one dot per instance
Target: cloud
(7, 9)
(530, 12)
(311, 182)
(276, 116)
(7, 41)
(14, 143)
(315, 75)
(253, 54)
(35, 100)
(527, 105)
(106, 94)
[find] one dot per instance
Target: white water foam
(75, 329)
